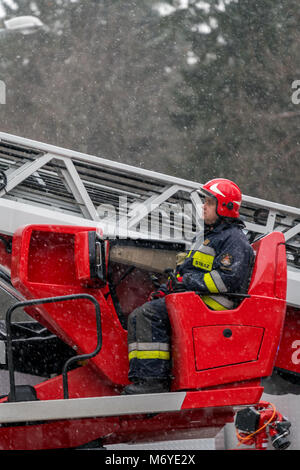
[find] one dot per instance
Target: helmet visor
(203, 193)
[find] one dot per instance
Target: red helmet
(228, 195)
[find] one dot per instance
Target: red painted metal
(288, 358)
(81, 256)
(233, 394)
(203, 356)
(216, 369)
(209, 339)
(43, 265)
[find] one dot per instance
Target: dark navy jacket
(222, 263)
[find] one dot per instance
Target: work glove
(159, 293)
(175, 283)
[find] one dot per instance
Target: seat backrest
(269, 275)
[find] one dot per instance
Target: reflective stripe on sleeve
(217, 302)
(211, 286)
(218, 281)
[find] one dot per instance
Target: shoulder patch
(226, 260)
(180, 257)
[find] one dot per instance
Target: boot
(147, 386)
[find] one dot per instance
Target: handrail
(81, 357)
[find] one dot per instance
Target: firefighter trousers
(149, 341)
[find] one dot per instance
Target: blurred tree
(235, 109)
(199, 90)
(97, 81)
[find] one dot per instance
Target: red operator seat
(210, 348)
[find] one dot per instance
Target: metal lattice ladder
(41, 183)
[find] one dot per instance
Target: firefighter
(217, 264)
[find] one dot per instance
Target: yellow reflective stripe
(212, 303)
(210, 283)
(203, 261)
(149, 355)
